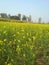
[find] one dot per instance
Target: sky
(35, 8)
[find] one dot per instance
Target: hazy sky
(36, 8)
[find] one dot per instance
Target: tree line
(16, 17)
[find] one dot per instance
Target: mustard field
(24, 44)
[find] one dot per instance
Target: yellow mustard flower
(18, 48)
(19, 41)
(18, 33)
(27, 34)
(12, 60)
(5, 32)
(31, 47)
(0, 50)
(1, 42)
(33, 55)
(4, 49)
(9, 64)
(29, 39)
(26, 44)
(23, 36)
(5, 63)
(9, 43)
(4, 26)
(34, 37)
(24, 55)
(22, 30)
(5, 40)
(14, 40)
(14, 35)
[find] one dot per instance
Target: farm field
(24, 44)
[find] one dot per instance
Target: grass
(24, 44)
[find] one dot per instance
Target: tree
(29, 18)
(9, 16)
(3, 15)
(40, 20)
(14, 17)
(24, 18)
(19, 15)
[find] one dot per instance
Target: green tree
(3, 15)
(39, 20)
(24, 18)
(29, 18)
(9, 16)
(19, 16)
